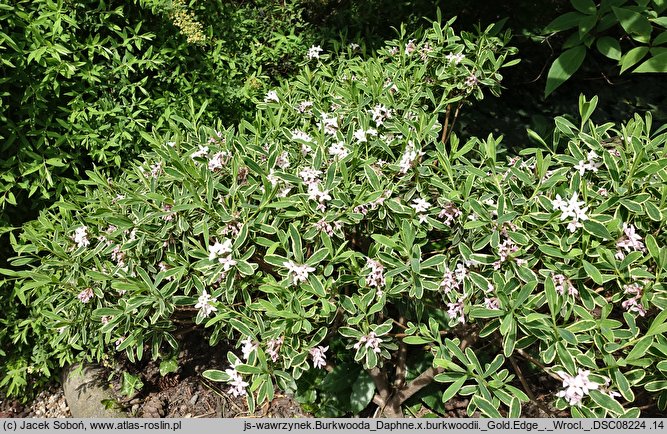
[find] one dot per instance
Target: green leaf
(584, 6)
(564, 22)
(607, 402)
(592, 272)
(168, 366)
(637, 25)
(632, 57)
(131, 384)
(564, 67)
(486, 407)
(609, 47)
(363, 391)
(215, 375)
(597, 229)
(453, 388)
(657, 63)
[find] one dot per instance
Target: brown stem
(537, 363)
(445, 127)
(527, 388)
(456, 115)
(399, 382)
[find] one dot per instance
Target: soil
(182, 394)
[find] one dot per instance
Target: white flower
(455, 58)
(204, 304)
(319, 359)
(300, 135)
(236, 381)
(227, 262)
(219, 160)
(299, 272)
(248, 348)
(314, 52)
(354, 46)
(360, 135)
(410, 47)
(409, 156)
(219, 249)
(81, 237)
(338, 150)
(304, 106)
(330, 124)
(420, 205)
(283, 160)
(310, 175)
(271, 96)
(630, 240)
(380, 113)
(576, 387)
(202, 152)
(376, 276)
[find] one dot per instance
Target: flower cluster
(505, 249)
(630, 241)
(299, 272)
(633, 304)
(204, 304)
(311, 178)
(408, 158)
(324, 226)
(591, 164)
(81, 237)
(455, 58)
(451, 280)
(319, 359)
(223, 252)
(562, 284)
(376, 276)
(364, 208)
(576, 387)
(371, 340)
(248, 347)
(421, 206)
(85, 295)
(314, 52)
(273, 347)
(338, 150)
(456, 311)
(361, 135)
(380, 113)
(449, 212)
(236, 381)
(571, 208)
(271, 96)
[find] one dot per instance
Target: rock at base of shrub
(86, 393)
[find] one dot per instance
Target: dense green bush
(83, 80)
(624, 31)
(147, 221)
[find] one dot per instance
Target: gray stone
(85, 390)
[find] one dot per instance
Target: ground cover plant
(354, 250)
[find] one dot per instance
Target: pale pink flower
(376, 276)
(85, 295)
(273, 347)
(456, 311)
(371, 341)
(319, 358)
(576, 387)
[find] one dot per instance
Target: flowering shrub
(347, 243)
